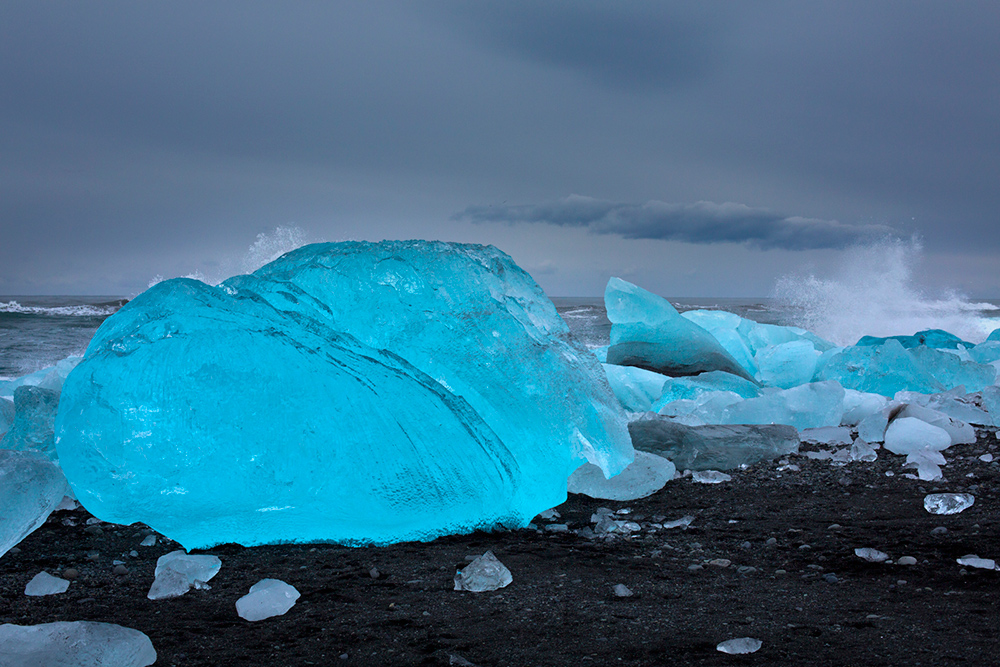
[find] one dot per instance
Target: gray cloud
(701, 222)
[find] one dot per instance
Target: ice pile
(350, 392)
(919, 394)
(31, 487)
(266, 599)
(72, 644)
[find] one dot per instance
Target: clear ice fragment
(31, 487)
(44, 583)
(34, 419)
(267, 598)
(871, 555)
(646, 475)
(739, 646)
(908, 435)
(826, 435)
(485, 573)
(973, 560)
(713, 446)
(948, 503)
(74, 644)
(862, 451)
(622, 591)
(177, 573)
(710, 477)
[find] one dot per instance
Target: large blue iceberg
(352, 392)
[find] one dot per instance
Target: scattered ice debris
(485, 573)
(862, 451)
(826, 435)
(821, 455)
(31, 487)
(683, 522)
(606, 523)
(646, 475)
(740, 646)
(74, 644)
(948, 503)
(710, 477)
(44, 583)
(148, 541)
(445, 363)
(622, 591)
(928, 464)
(871, 555)
(177, 573)
(648, 332)
(267, 598)
(973, 560)
(549, 515)
(712, 447)
(841, 457)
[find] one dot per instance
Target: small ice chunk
(948, 503)
(909, 434)
(177, 573)
(31, 487)
(972, 560)
(710, 477)
(623, 591)
(148, 541)
(74, 644)
(826, 435)
(267, 598)
(871, 555)
(740, 646)
(682, 522)
(986, 458)
(44, 583)
(927, 462)
(646, 475)
(485, 573)
(821, 455)
(862, 451)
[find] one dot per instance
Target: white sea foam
(873, 293)
(85, 310)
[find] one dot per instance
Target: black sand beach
(792, 581)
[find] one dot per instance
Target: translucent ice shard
(951, 371)
(863, 451)
(710, 477)
(689, 388)
(34, 419)
(648, 332)
(420, 388)
(807, 406)
(636, 388)
(31, 487)
(712, 447)
(787, 365)
(485, 573)
(6, 415)
(75, 644)
(827, 435)
(972, 560)
(267, 598)
(960, 432)
(646, 475)
(740, 646)
(879, 369)
(178, 572)
(871, 555)
(44, 583)
(948, 503)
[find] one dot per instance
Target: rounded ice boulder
(356, 393)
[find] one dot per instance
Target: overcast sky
(697, 149)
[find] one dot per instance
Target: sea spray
(873, 292)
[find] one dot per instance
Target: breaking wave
(84, 310)
(873, 293)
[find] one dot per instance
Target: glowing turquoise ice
(357, 393)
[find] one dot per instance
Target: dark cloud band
(701, 222)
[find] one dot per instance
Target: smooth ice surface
(859, 406)
(44, 583)
(635, 388)
(177, 573)
(46, 378)
(951, 371)
(787, 365)
(991, 403)
(960, 432)
(420, 388)
(712, 447)
(948, 503)
(31, 487)
(34, 419)
(74, 644)
(879, 369)
(648, 332)
(6, 415)
(267, 598)
(972, 560)
(740, 646)
(485, 573)
(907, 435)
(688, 388)
(827, 435)
(646, 475)
(807, 406)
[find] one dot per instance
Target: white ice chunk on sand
(948, 503)
(740, 646)
(267, 598)
(74, 644)
(710, 477)
(908, 435)
(31, 487)
(960, 432)
(872, 428)
(712, 446)
(972, 560)
(871, 555)
(177, 573)
(485, 573)
(646, 475)
(648, 332)
(44, 583)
